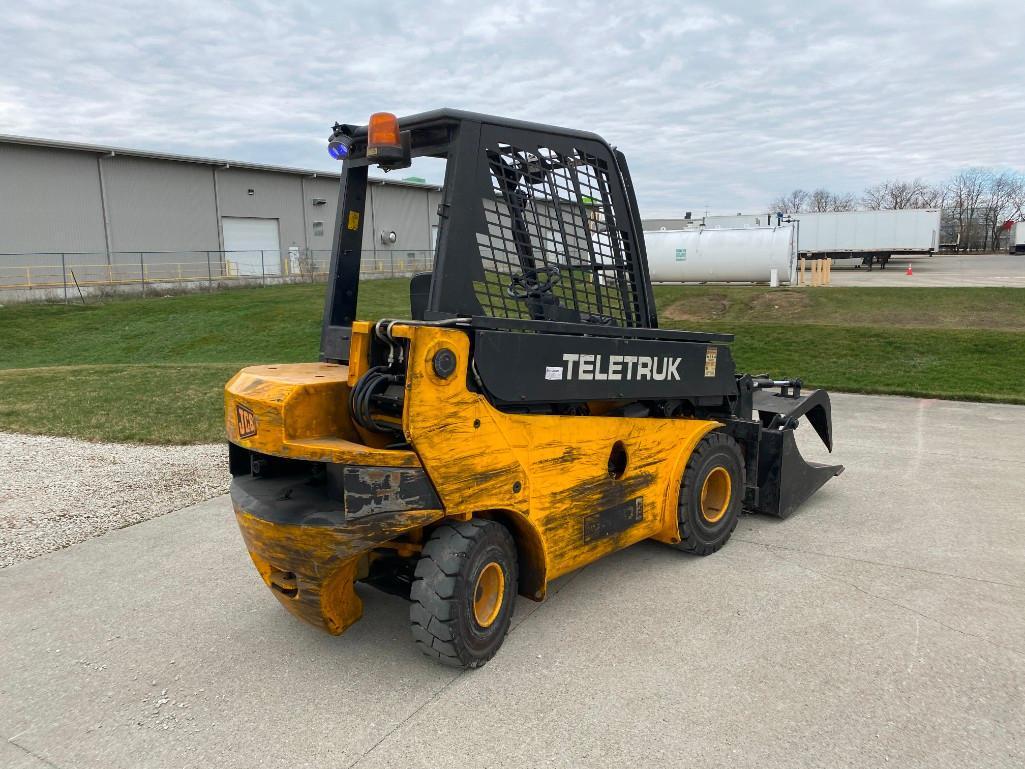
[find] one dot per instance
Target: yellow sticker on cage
(353, 223)
(711, 355)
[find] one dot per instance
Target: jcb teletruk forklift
(531, 416)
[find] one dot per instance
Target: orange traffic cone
(909, 272)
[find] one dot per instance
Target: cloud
(721, 105)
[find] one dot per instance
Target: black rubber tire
(698, 536)
(441, 613)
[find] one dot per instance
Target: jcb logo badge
(246, 421)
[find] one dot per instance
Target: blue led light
(337, 150)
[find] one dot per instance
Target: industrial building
(99, 215)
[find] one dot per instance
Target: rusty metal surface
(476, 455)
(545, 476)
(323, 560)
(372, 490)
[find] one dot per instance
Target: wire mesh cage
(552, 248)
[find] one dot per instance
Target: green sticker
(681, 254)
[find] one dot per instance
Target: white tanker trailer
(740, 255)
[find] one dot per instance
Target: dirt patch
(779, 304)
(706, 307)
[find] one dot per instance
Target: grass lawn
(151, 370)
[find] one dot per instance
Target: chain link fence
(68, 276)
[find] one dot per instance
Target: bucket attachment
(785, 478)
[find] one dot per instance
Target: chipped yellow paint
(324, 560)
(542, 475)
(476, 454)
(302, 412)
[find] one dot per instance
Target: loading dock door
(251, 246)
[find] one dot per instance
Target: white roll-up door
(251, 246)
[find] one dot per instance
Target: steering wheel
(532, 284)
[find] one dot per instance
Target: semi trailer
(872, 236)
(1016, 241)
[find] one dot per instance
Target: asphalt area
(942, 270)
(883, 624)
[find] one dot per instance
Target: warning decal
(711, 355)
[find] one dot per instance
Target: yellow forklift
(527, 419)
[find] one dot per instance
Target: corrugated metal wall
(318, 236)
(406, 211)
(51, 200)
(163, 212)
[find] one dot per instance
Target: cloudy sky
(720, 105)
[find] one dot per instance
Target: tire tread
(711, 442)
(433, 611)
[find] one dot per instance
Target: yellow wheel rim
(488, 594)
(715, 494)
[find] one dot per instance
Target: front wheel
(711, 494)
(464, 592)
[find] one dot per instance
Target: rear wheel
(463, 593)
(711, 494)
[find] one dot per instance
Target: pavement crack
(898, 605)
(34, 755)
(441, 690)
(914, 652)
(434, 697)
(881, 563)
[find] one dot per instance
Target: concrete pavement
(940, 271)
(883, 623)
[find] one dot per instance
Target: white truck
(872, 236)
(1016, 242)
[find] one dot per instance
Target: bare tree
(1017, 199)
(895, 194)
(844, 202)
(819, 199)
(965, 193)
(874, 197)
(934, 196)
(1002, 203)
(976, 203)
(824, 200)
(794, 203)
